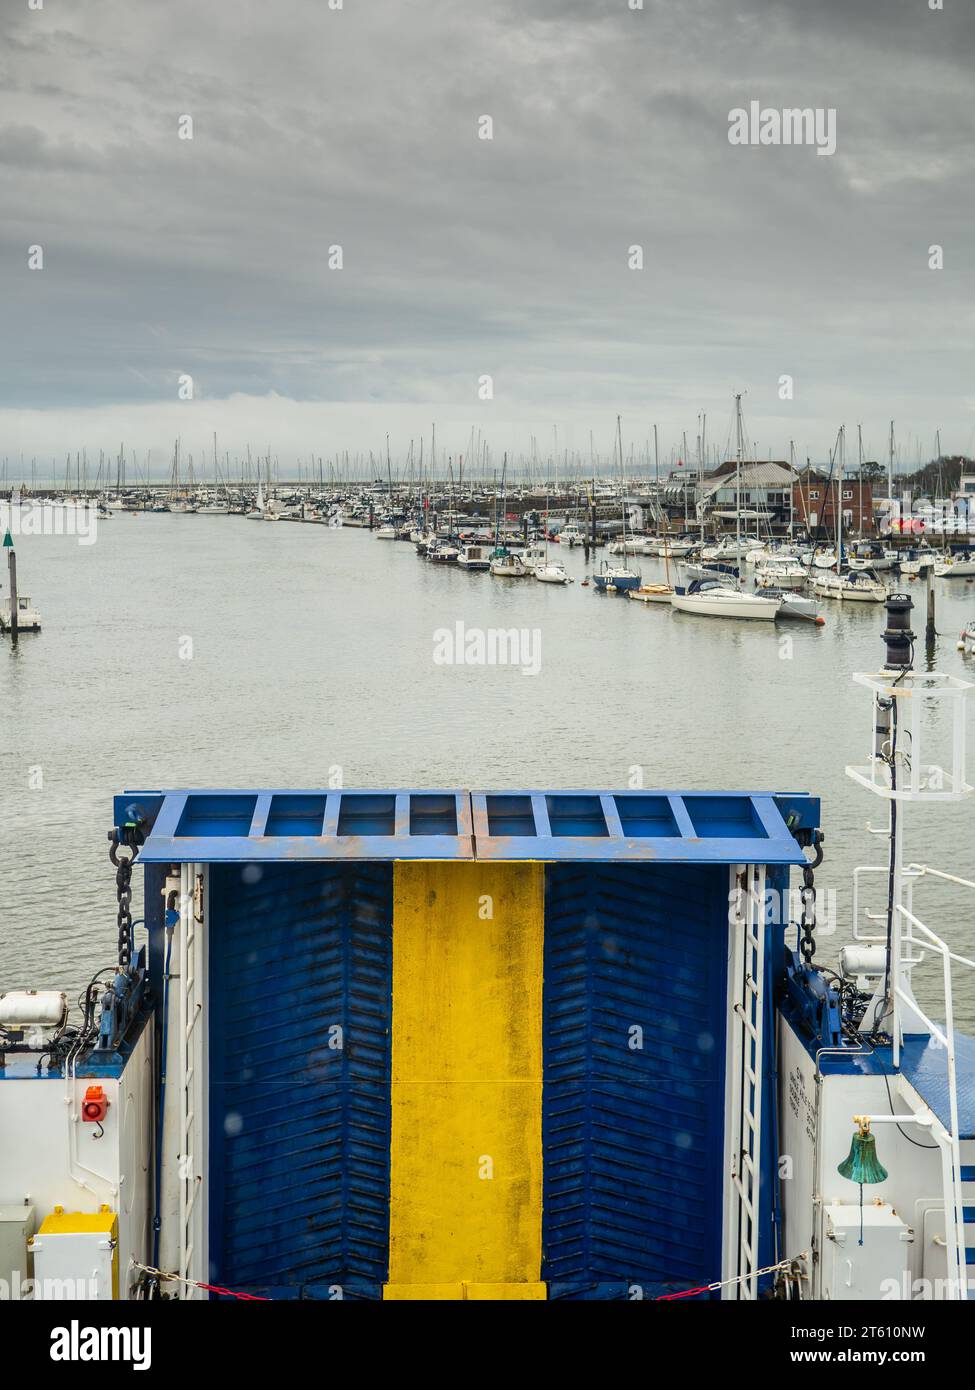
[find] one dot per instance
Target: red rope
(231, 1293)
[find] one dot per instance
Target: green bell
(861, 1164)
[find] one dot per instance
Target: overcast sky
(466, 257)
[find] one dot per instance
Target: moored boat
(858, 586)
(712, 599)
(571, 534)
(652, 593)
(616, 579)
(551, 572)
(959, 565)
(474, 557)
(505, 564)
(28, 617)
(780, 574)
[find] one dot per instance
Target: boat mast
(619, 438)
(738, 488)
(839, 502)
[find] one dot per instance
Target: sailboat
(856, 586)
(505, 564)
(258, 510)
(658, 593)
(618, 579)
(545, 570)
(716, 598)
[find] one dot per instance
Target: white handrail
(911, 872)
(924, 871)
(946, 1037)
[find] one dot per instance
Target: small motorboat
(713, 599)
(28, 618)
(571, 534)
(443, 553)
(474, 557)
(386, 533)
(652, 593)
(966, 642)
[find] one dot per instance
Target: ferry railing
(908, 877)
(945, 1038)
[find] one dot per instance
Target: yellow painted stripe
(472, 1293)
(466, 1153)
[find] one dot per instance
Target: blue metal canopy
(241, 826)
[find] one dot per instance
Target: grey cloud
(461, 257)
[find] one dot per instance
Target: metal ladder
(192, 1088)
(747, 1042)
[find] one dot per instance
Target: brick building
(816, 498)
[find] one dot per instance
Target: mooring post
(8, 544)
(930, 631)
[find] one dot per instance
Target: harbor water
(207, 651)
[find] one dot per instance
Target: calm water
(313, 648)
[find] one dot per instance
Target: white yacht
(667, 549)
(551, 572)
(506, 565)
(775, 573)
(715, 600)
(726, 548)
(860, 586)
(958, 566)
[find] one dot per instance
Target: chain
(807, 939)
(783, 1267)
(132, 839)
